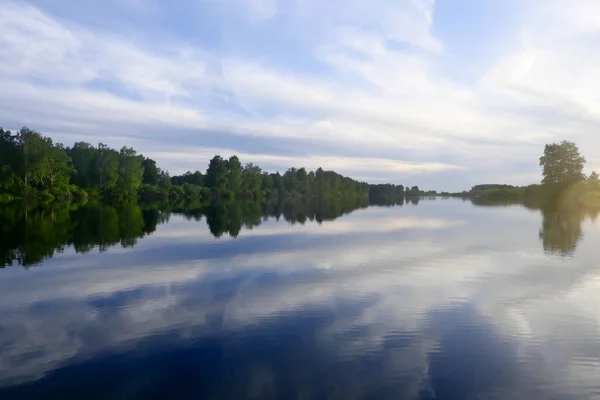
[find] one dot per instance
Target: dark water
(441, 299)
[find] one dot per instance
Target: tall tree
(59, 167)
(235, 174)
(164, 181)
(267, 181)
(10, 159)
(151, 172)
(251, 177)
(131, 172)
(562, 164)
(83, 156)
(34, 150)
(277, 181)
(290, 180)
(107, 167)
(217, 173)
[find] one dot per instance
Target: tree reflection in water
(560, 231)
(29, 236)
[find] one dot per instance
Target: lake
(437, 298)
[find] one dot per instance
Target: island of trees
(34, 168)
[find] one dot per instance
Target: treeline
(563, 182)
(33, 167)
(385, 192)
(228, 178)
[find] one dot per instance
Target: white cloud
(341, 164)
(365, 93)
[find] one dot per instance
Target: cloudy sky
(439, 93)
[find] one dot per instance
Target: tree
(302, 178)
(34, 150)
(59, 167)
(82, 155)
(195, 178)
(164, 181)
(562, 165)
(251, 177)
(277, 181)
(107, 167)
(235, 174)
(217, 174)
(151, 172)
(131, 172)
(594, 176)
(267, 181)
(290, 180)
(10, 159)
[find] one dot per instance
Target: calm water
(440, 299)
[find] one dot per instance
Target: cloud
(375, 78)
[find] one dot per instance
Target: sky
(443, 94)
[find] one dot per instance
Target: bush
(176, 193)
(192, 192)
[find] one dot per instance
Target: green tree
(131, 172)
(59, 167)
(107, 167)
(251, 178)
(267, 181)
(10, 159)
(562, 165)
(277, 181)
(235, 174)
(35, 149)
(302, 177)
(151, 172)
(290, 180)
(217, 174)
(164, 181)
(83, 157)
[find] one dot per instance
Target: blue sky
(441, 94)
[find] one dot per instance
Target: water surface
(431, 299)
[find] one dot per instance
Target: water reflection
(29, 236)
(442, 300)
(560, 231)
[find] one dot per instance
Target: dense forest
(33, 167)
